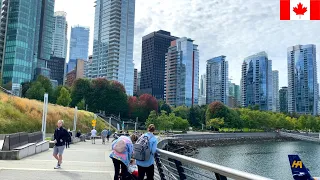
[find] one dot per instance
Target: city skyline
(251, 24)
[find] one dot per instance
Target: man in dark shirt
(60, 137)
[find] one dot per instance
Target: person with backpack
(144, 151)
(122, 149)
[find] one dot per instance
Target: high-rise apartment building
(256, 82)
(275, 96)
(3, 24)
(283, 97)
(202, 90)
(303, 90)
(27, 46)
(154, 48)
(234, 95)
(87, 66)
(113, 42)
(79, 42)
(182, 73)
(217, 80)
(59, 40)
(203, 85)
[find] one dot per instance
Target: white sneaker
(57, 167)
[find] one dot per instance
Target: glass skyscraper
(79, 42)
(59, 40)
(182, 73)
(283, 97)
(113, 42)
(217, 80)
(302, 79)
(27, 38)
(275, 96)
(256, 82)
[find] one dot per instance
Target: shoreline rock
(190, 147)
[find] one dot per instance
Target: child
(133, 168)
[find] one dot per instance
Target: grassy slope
(25, 115)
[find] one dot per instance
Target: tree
(64, 99)
(179, 123)
(36, 91)
(195, 116)
(46, 83)
(81, 105)
(80, 90)
(153, 119)
(216, 110)
(25, 87)
(142, 106)
(215, 123)
(165, 107)
(182, 111)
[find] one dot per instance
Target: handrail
(218, 169)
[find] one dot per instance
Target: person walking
(93, 136)
(121, 154)
(147, 166)
(69, 139)
(104, 134)
(108, 135)
(60, 137)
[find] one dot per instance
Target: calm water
(267, 159)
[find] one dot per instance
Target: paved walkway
(83, 161)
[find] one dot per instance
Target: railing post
(159, 166)
(220, 177)
(179, 169)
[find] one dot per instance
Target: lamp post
(44, 116)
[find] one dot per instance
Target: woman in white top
(93, 135)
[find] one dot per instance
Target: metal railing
(172, 166)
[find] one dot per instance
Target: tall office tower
(302, 79)
(57, 69)
(113, 42)
(217, 80)
(79, 42)
(87, 66)
(283, 96)
(237, 94)
(3, 24)
(154, 48)
(202, 90)
(139, 80)
(27, 45)
(203, 84)
(60, 29)
(135, 83)
(256, 82)
(275, 96)
(182, 73)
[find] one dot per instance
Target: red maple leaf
(300, 10)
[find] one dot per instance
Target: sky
(234, 28)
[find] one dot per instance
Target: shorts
(58, 150)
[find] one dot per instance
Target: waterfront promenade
(82, 161)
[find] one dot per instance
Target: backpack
(120, 146)
(141, 149)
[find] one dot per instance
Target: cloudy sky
(235, 28)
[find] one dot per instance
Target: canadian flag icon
(299, 9)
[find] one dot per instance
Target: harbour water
(268, 159)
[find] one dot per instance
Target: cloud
(235, 28)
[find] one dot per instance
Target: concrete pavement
(83, 161)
